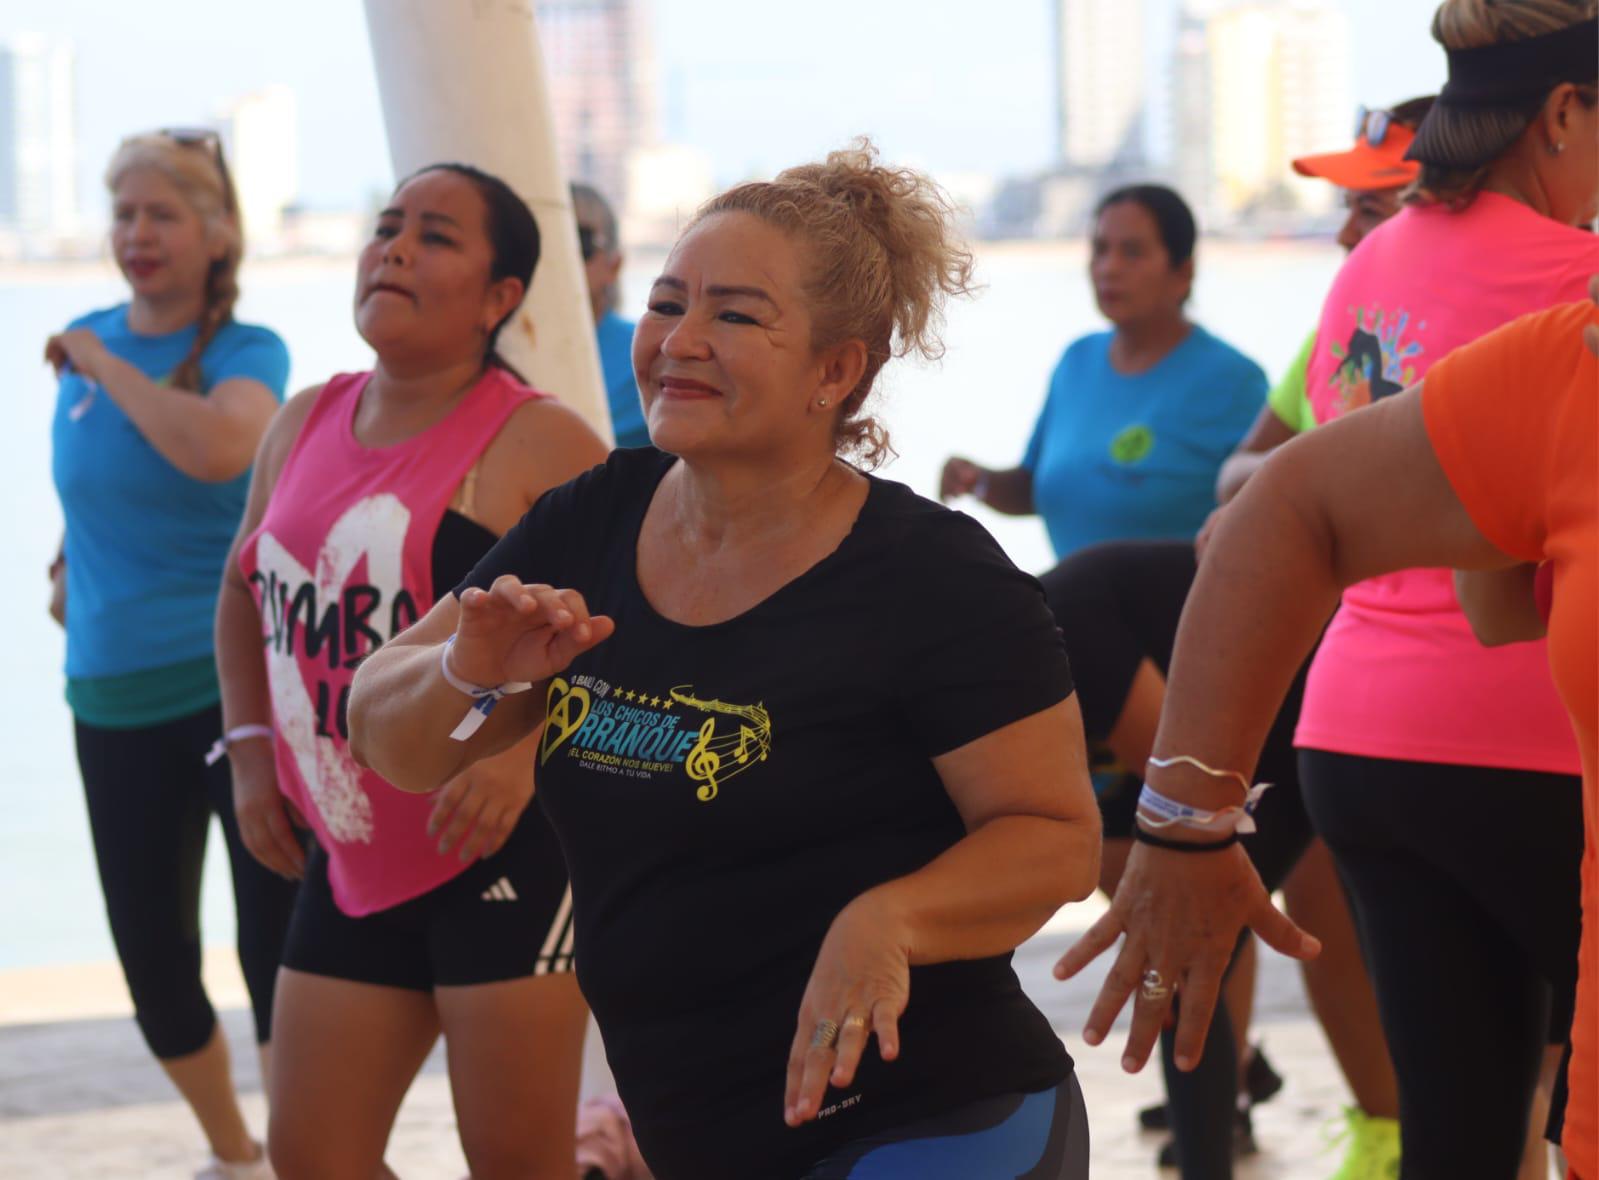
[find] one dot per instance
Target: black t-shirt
(721, 792)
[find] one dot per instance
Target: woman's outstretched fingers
(885, 1024)
(507, 590)
(1151, 1003)
(1095, 941)
(853, 1032)
(1119, 983)
(816, 1063)
(1201, 989)
(1278, 931)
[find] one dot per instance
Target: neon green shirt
(1289, 399)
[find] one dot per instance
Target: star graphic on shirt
(655, 702)
(627, 695)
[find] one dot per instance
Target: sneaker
(1261, 1081)
(1243, 1143)
(1371, 1149)
(257, 1169)
(1261, 1084)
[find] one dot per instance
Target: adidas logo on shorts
(500, 891)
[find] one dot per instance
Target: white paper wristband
(483, 699)
(1157, 811)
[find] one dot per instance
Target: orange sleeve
(1492, 409)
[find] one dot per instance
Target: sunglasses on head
(1372, 125)
(207, 140)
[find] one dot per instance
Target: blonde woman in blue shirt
(162, 400)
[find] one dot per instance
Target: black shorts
(506, 917)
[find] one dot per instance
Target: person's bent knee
(175, 1028)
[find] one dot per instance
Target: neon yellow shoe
(1371, 1149)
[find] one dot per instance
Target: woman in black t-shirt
(809, 740)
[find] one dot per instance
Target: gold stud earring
(822, 401)
(1557, 148)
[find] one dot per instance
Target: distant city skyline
(1279, 88)
(935, 87)
(1102, 79)
(38, 136)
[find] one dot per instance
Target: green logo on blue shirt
(1132, 444)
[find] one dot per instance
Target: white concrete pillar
(463, 81)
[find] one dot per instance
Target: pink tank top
(341, 562)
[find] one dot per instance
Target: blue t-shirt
(1125, 457)
(621, 390)
(145, 544)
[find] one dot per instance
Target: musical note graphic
(703, 762)
(710, 753)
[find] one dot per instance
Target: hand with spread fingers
(478, 809)
(1181, 913)
(515, 632)
(858, 988)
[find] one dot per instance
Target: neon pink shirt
(341, 562)
(1399, 673)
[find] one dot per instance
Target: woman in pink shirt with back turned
(1419, 746)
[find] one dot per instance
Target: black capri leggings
(1465, 883)
(1117, 605)
(151, 797)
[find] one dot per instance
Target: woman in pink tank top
(374, 494)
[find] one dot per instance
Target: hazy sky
(951, 85)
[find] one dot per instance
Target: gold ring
(826, 1034)
(856, 1020)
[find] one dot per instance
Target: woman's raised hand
(78, 347)
(517, 632)
(960, 477)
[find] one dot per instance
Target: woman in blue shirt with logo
(1139, 419)
(162, 401)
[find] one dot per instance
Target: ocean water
(980, 401)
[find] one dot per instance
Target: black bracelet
(1146, 837)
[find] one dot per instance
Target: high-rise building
(1279, 88)
(1190, 118)
(1101, 74)
(261, 135)
(600, 70)
(38, 138)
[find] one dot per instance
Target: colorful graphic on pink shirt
(1399, 673)
(1378, 361)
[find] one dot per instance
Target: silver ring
(826, 1034)
(1153, 986)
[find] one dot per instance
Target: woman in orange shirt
(1450, 473)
